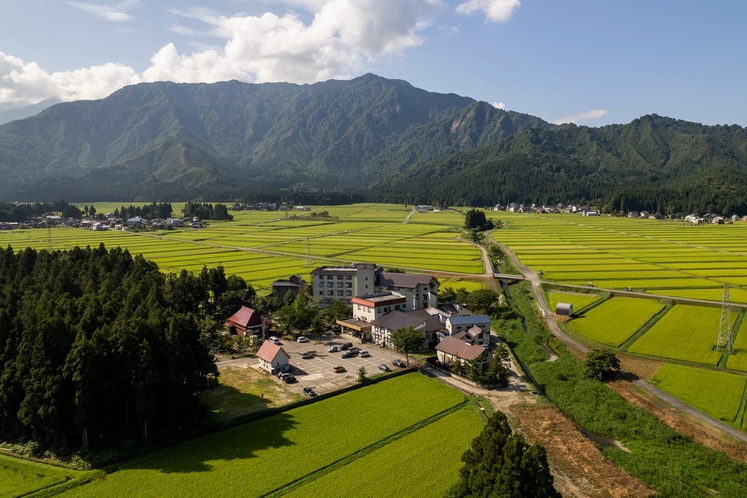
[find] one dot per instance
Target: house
(273, 358)
(137, 220)
(370, 307)
(421, 290)
(498, 207)
(424, 208)
(734, 217)
(451, 350)
(245, 321)
(99, 227)
(295, 284)
(717, 220)
(434, 329)
(590, 213)
(455, 324)
(564, 309)
(383, 327)
(474, 335)
(633, 214)
(644, 214)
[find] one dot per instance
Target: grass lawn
(244, 390)
(615, 320)
(406, 459)
(257, 458)
(20, 477)
(719, 394)
(686, 333)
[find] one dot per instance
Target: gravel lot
(317, 372)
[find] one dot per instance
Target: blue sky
(592, 62)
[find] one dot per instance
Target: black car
(307, 391)
(288, 379)
(348, 354)
(384, 368)
(398, 363)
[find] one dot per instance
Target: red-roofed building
(273, 358)
(244, 321)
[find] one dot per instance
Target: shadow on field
(238, 443)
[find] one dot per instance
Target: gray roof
(469, 320)
(406, 280)
(431, 324)
(398, 319)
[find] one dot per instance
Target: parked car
(398, 363)
(339, 369)
(347, 354)
(364, 354)
(355, 350)
(307, 391)
(306, 355)
(346, 345)
(333, 349)
(274, 340)
(284, 375)
(289, 379)
(302, 338)
(384, 368)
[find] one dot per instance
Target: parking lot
(316, 372)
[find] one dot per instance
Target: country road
(532, 276)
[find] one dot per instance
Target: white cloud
(581, 116)
(448, 30)
(494, 10)
(342, 39)
(499, 105)
(113, 13)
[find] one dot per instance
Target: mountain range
(381, 138)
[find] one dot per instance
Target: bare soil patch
(578, 466)
(640, 367)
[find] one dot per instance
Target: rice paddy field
(603, 324)
(657, 256)
(717, 393)
(577, 299)
(329, 448)
(686, 333)
(21, 477)
(263, 246)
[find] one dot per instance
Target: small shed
(564, 309)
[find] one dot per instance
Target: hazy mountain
(8, 114)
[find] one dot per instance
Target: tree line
(19, 212)
(206, 211)
(97, 346)
(152, 210)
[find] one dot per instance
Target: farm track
(486, 262)
(532, 276)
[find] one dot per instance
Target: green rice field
(605, 323)
(687, 333)
(738, 357)
(658, 256)
(262, 246)
(577, 299)
(403, 458)
(719, 394)
(21, 477)
(305, 443)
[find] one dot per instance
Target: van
(363, 354)
(305, 355)
(346, 345)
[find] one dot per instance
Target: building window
(348, 277)
(330, 293)
(330, 284)
(339, 285)
(348, 285)
(339, 293)
(339, 277)
(321, 293)
(348, 293)
(359, 307)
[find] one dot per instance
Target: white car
(302, 338)
(364, 354)
(274, 340)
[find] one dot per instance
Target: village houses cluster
(382, 302)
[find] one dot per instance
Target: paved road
(532, 276)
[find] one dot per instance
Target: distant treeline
(206, 211)
(20, 212)
(152, 210)
(96, 343)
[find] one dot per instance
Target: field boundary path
(532, 276)
(409, 215)
(487, 263)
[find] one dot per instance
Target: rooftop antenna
(724, 330)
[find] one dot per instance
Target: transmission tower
(724, 330)
(308, 252)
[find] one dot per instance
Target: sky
(591, 62)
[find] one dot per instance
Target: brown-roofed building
(421, 289)
(384, 326)
(245, 321)
(294, 284)
(451, 349)
(273, 358)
